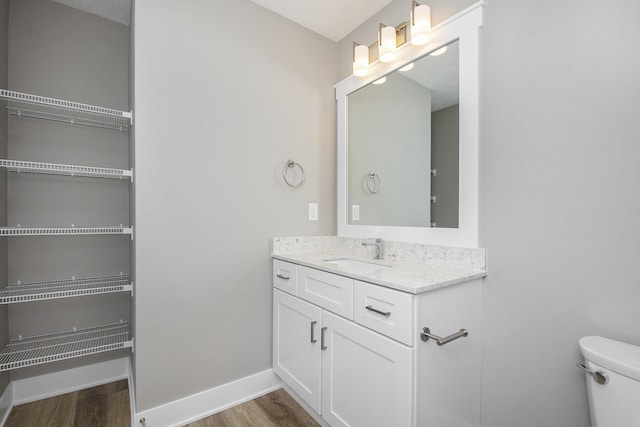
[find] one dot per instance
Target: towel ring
(291, 165)
(373, 183)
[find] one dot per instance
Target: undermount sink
(356, 263)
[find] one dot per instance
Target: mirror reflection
(403, 146)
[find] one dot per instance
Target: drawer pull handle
(425, 334)
(280, 276)
(313, 338)
(375, 310)
(322, 331)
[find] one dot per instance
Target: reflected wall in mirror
(403, 146)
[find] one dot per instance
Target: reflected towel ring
(291, 165)
(373, 183)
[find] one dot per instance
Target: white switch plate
(355, 212)
(313, 211)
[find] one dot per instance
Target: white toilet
(613, 381)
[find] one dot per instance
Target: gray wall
(558, 189)
(4, 320)
(559, 209)
(225, 93)
(445, 159)
(61, 52)
(390, 134)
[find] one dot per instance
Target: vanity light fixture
(360, 60)
(420, 23)
(439, 52)
(386, 43)
(380, 80)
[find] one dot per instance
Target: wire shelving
(40, 107)
(74, 287)
(63, 231)
(30, 351)
(67, 170)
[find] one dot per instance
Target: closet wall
(60, 52)
(4, 325)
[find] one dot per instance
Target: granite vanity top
(406, 267)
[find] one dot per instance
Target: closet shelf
(40, 107)
(75, 287)
(31, 351)
(62, 231)
(68, 170)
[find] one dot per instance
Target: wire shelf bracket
(20, 166)
(58, 110)
(63, 231)
(74, 287)
(40, 349)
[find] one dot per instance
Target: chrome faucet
(378, 245)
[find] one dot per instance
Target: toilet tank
(616, 403)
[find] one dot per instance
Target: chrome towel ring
(291, 165)
(373, 183)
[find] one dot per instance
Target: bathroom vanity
(347, 332)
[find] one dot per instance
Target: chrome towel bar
(425, 334)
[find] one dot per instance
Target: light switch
(313, 211)
(355, 212)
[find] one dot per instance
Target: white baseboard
(61, 382)
(6, 403)
(209, 402)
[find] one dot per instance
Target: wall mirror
(402, 145)
(413, 137)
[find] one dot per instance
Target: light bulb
(360, 60)
(387, 44)
(420, 24)
(380, 80)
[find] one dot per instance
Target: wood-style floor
(276, 409)
(102, 406)
(108, 406)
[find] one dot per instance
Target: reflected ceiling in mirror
(403, 146)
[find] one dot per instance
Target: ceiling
(115, 10)
(333, 19)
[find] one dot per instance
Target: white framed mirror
(386, 143)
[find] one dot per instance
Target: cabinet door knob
(313, 339)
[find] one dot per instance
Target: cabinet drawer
(385, 310)
(329, 291)
(285, 276)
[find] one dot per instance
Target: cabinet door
(366, 377)
(296, 346)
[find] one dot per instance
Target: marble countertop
(403, 275)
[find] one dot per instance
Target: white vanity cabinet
(352, 350)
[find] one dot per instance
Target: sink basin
(356, 263)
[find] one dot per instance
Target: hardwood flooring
(108, 406)
(102, 406)
(276, 409)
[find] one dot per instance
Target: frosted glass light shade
(420, 24)
(387, 45)
(361, 60)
